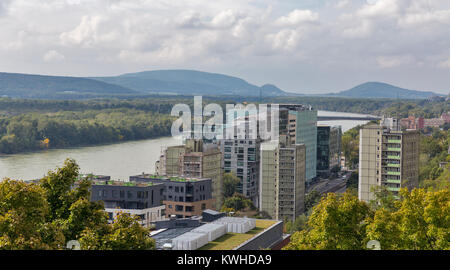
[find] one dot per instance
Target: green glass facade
(306, 133)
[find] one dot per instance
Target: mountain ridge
(182, 81)
(383, 90)
(173, 82)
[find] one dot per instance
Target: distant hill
(190, 82)
(39, 86)
(383, 90)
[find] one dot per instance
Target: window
(203, 206)
(179, 208)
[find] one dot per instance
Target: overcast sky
(305, 46)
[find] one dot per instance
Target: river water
(117, 160)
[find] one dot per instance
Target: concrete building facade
(388, 157)
(283, 177)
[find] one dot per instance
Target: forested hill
(383, 90)
(190, 82)
(38, 86)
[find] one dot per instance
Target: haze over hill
(190, 82)
(173, 82)
(38, 86)
(383, 90)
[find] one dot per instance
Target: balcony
(392, 165)
(392, 157)
(393, 181)
(393, 173)
(394, 149)
(394, 141)
(394, 189)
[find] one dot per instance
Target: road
(336, 185)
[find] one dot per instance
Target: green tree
(57, 210)
(421, 221)
(230, 182)
(337, 222)
(23, 211)
(311, 199)
(238, 202)
(124, 234)
(299, 224)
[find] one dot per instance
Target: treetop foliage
(48, 214)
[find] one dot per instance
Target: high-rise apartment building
(328, 149)
(241, 157)
(194, 159)
(283, 176)
(302, 129)
(388, 157)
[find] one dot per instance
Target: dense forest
(34, 131)
(33, 124)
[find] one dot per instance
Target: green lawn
(232, 240)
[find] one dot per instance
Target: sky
(302, 46)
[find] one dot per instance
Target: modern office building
(183, 197)
(302, 129)
(283, 177)
(194, 159)
(388, 157)
(328, 149)
(142, 199)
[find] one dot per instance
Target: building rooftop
(122, 183)
(169, 178)
(224, 240)
(230, 241)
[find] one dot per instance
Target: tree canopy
(48, 214)
(418, 220)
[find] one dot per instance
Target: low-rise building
(434, 122)
(413, 122)
(142, 199)
(183, 197)
(219, 233)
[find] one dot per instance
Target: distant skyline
(301, 46)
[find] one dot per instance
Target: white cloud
(298, 16)
(444, 64)
(85, 34)
(271, 37)
(394, 61)
(53, 56)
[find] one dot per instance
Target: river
(117, 160)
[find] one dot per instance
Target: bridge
(356, 118)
